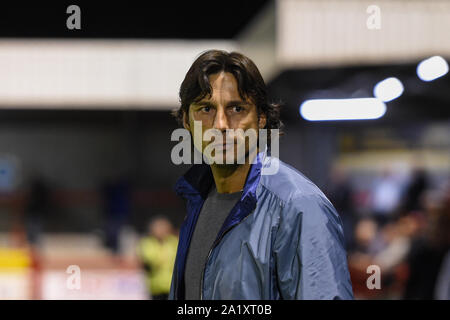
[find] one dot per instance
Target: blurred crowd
(157, 251)
(399, 225)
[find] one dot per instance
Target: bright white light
(342, 109)
(388, 89)
(432, 68)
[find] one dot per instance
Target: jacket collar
(197, 181)
(194, 187)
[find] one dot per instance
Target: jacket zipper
(212, 248)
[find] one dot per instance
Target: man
(157, 252)
(249, 233)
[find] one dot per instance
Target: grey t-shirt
(212, 216)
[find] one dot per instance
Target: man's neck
(231, 178)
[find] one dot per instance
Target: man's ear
(186, 121)
(262, 121)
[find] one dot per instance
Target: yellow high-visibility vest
(160, 258)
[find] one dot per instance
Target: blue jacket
(282, 240)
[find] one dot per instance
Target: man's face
(161, 229)
(224, 109)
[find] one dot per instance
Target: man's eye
(206, 109)
(237, 108)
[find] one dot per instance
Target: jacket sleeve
(310, 259)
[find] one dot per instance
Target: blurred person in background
(428, 250)
(367, 243)
(116, 195)
(37, 209)
(386, 196)
(413, 198)
(360, 257)
(397, 237)
(386, 247)
(157, 251)
(366, 237)
(339, 192)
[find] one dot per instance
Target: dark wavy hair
(251, 85)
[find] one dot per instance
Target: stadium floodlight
(432, 68)
(342, 109)
(388, 89)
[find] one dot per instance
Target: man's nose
(221, 120)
